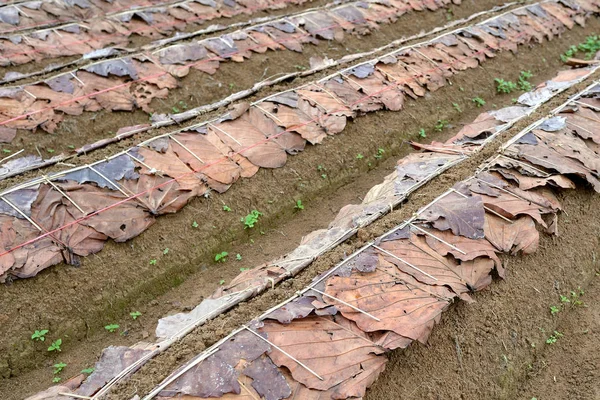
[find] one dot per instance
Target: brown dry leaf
(528, 182)
(462, 278)
(333, 347)
(120, 223)
(113, 360)
(242, 136)
(464, 216)
(584, 122)
(472, 247)
(201, 155)
(161, 195)
(168, 163)
(295, 120)
(291, 142)
(403, 305)
(484, 125)
(512, 237)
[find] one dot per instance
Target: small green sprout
(523, 81)
(479, 102)
(39, 336)
(135, 314)
(221, 257)
(222, 282)
(554, 310)
(56, 379)
(564, 299)
(153, 261)
(55, 346)
(7, 151)
(238, 257)
(71, 147)
(553, 338)
(251, 219)
(59, 367)
(440, 125)
(299, 205)
(226, 208)
(244, 269)
(88, 371)
(503, 86)
(359, 156)
(422, 133)
(195, 224)
(457, 107)
(166, 251)
(111, 328)
(380, 152)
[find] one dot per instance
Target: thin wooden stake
(485, 208)
(225, 133)
(405, 262)
(186, 148)
(284, 352)
(437, 238)
(76, 78)
(59, 190)
(10, 203)
(108, 180)
(347, 304)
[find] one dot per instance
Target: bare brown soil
(75, 303)
(199, 88)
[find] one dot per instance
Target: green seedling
(554, 310)
(56, 379)
(359, 156)
(111, 328)
(564, 299)
(55, 346)
(238, 257)
(222, 282)
(503, 86)
(175, 110)
(71, 147)
(590, 47)
(221, 257)
(87, 371)
(244, 269)
(39, 336)
(50, 151)
(523, 81)
(422, 133)
(553, 338)
(153, 261)
(183, 105)
(7, 151)
(195, 224)
(251, 219)
(380, 152)
(59, 367)
(226, 208)
(440, 125)
(300, 67)
(231, 86)
(456, 107)
(166, 251)
(135, 314)
(479, 102)
(299, 205)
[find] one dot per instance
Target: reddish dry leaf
(528, 182)
(168, 163)
(472, 247)
(293, 119)
(461, 277)
(512, 237)
(241, 135)
(161, 195)
(403, 305)
(332, 347)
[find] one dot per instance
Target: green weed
(479, 102)
(56, 379)
(553, 338)
(456, 107)
(523, 81)
(55, 346)
(359, 156)
(39, 336)
(299, 205)
(111, 328)
(503, 86)
(221, 257)
(440, 125)
(226, 208)
(238, 257)
(251, 219)
(135, 314)
(590, 47)
(422, 133)
(88, 371)
(59, 367)
(554, 310)
(195, 224)
(153, 261)
(379, 154)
